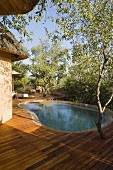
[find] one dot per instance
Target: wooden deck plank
(23, 159)
(52, 162)
(30, 160)
(65, 164)
(27, 146)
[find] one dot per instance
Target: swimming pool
(65, 117)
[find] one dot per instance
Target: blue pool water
(65, 117)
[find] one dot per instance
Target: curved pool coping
(80, 105)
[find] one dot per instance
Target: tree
(47, 63)
(90, 23)
(22, 80)
(82, 76)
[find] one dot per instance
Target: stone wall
(5, 88)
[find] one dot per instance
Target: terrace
(25, 145)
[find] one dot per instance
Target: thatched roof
(9, 44)
(11, 7)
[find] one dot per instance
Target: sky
(39, 32)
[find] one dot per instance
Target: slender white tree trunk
(100, 108)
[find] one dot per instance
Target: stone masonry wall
(5, 89)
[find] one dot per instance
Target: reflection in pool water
(65, 117)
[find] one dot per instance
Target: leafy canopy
(48, 62)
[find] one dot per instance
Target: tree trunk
(100, 108)
(99, 128)
(36, 82)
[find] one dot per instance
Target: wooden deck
(26, 146)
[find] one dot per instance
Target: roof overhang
(13, 55)
(14, 7)
(15, 72)
(10, 47)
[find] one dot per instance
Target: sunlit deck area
(25, 145)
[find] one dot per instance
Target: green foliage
(21, 81)
(83, 89)
(48, 63)
(20, 67)
(88, 24)
(83, 92)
